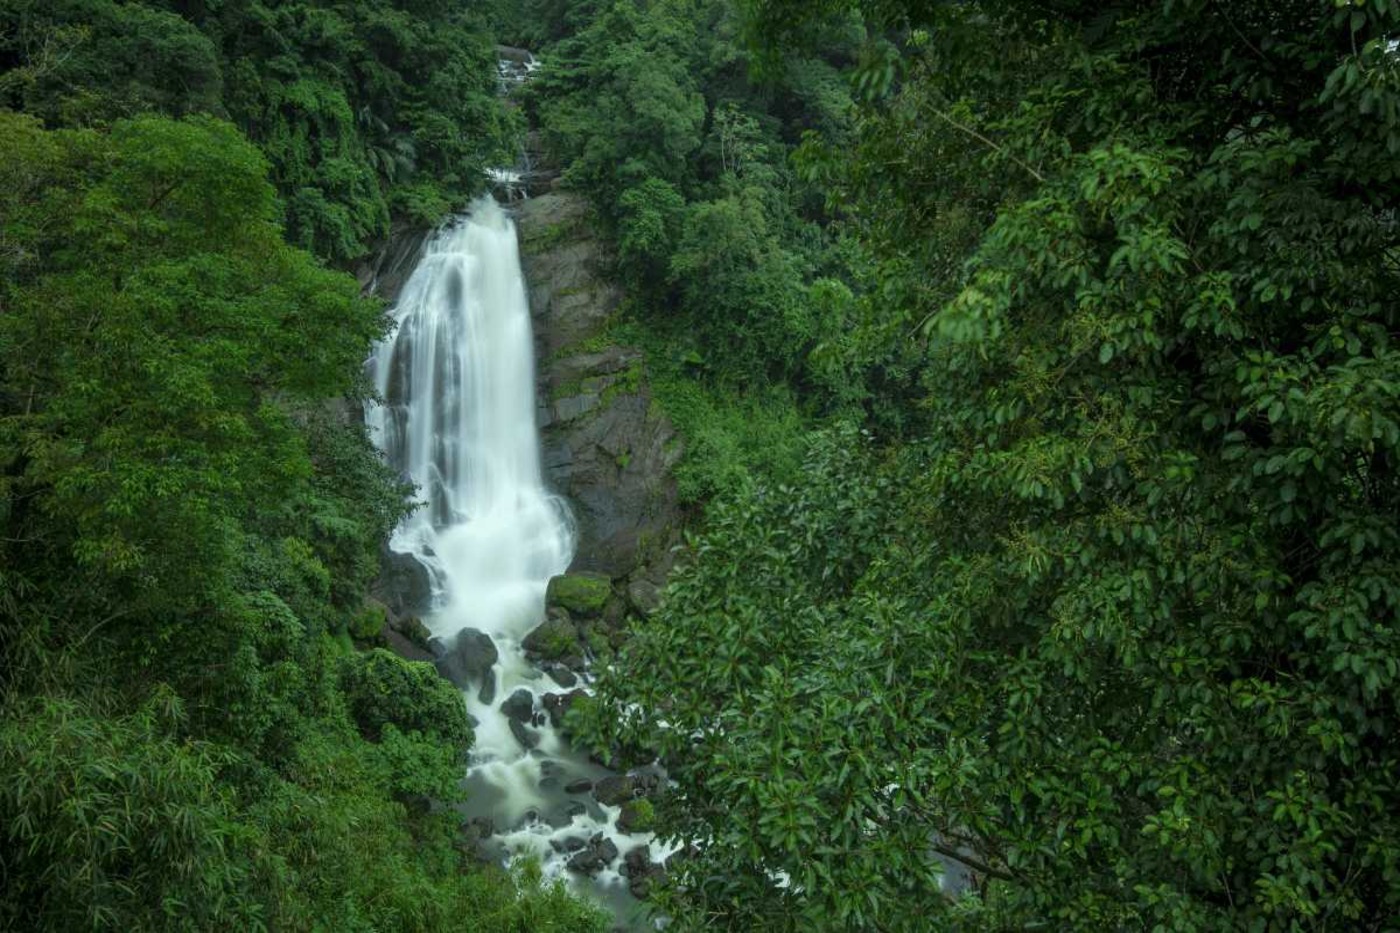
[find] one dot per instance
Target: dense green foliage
(189, 530)
(365, 108)
(648, 107)
(1036, 363)
(1107, 607)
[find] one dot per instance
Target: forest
(1033, 361)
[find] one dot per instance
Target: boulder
(555, 640)
(583, 594)
(594, 857)
(487, 693)
(641, 872)
(615, 789)
(468, 659)
(636, 861)
(558, 704)
(526, 736)
(519, 706)
(405, 586)
(568, 844)
(638, 816)
(580, 786)
(561, 675)
(565, 814)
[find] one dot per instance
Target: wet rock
(614, 461)
(636, 861)
(468, 659)
(615, 789)
(554, 640)
(594, 857)
(487, 693)
(562, 675)
(583, 594)
(568, 844)
(641, 872)
(581, 786)
(385, 271)
(565, 815)
(519, 706)
(404, 585)
(558, 704)
(526, 736)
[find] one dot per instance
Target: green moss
(638, 816)
(555, 639)
(582, 593)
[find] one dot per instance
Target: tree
(1120, 638)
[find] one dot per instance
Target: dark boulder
(565, 814)
(594, 857)
(641, 872)
(644, 596)
(526, 736)
(519, 706)
(405, 585)
(558, 704)
(478, 828)
(581, 786)
(412, 628)
(614, 790)
(468, 659)
(561, 675)
(568, 844)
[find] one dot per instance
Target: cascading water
(458, 383)
(457, 380)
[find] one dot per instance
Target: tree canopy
(1104, 619)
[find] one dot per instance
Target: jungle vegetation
(1035, 363)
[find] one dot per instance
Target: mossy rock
(638, 816)
(555, 639)
(583, 594)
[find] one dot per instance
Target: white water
(459, 385)
(457, 379)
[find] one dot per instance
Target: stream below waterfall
(458, 419)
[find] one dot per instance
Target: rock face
(385, 271)
(605, 446)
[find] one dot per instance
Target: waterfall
(458, 418)
(458, 384)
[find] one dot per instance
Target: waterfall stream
(457, 380)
